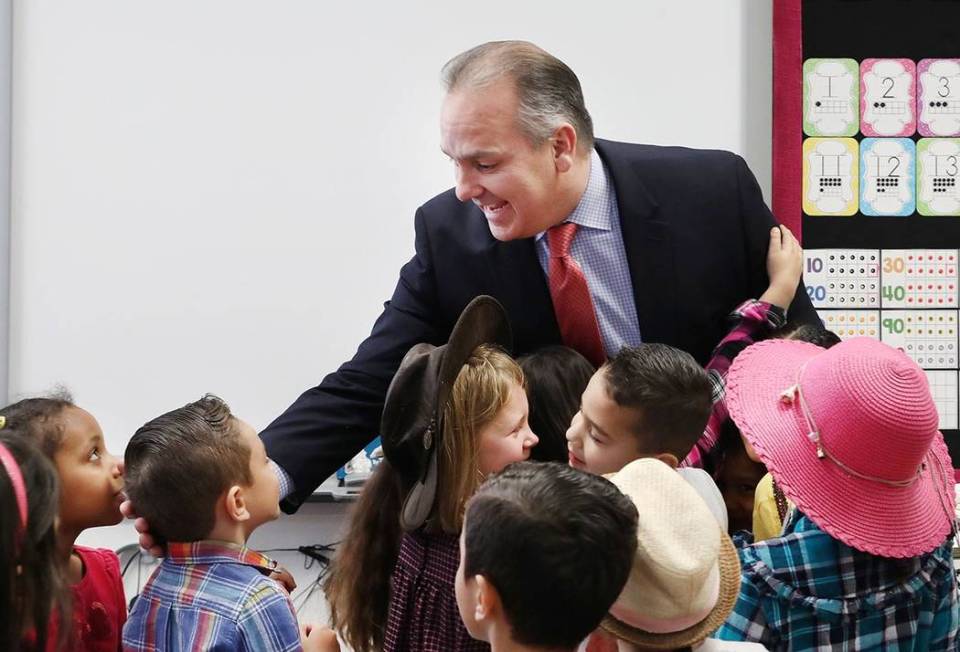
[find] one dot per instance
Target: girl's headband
(9, 463)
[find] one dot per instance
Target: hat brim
(879, 519)
(483, 321)
(419, 501)
(729, 564)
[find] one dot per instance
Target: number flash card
(943, 386)
(938, 161)
(887, 179)
(919, 278)
(887, 97)
(830, 176)
(938, 98)
(831, 99)
(927, 336)
(842, 278)
(852, 323)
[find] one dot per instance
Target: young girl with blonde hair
(453, 414)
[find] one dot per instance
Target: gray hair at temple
(548, 90)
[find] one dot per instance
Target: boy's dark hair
(558, 545)
(806, 333)
(178, 465)
(671, 391)
(556, 377)
(39, 418)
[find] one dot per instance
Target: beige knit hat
(686, 574)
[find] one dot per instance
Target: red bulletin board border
(787, 114)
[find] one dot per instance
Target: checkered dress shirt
(212, 595)
(599, 251)
(807, 591)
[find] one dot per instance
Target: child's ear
(669, 459)
(235, 504)
(488, 600)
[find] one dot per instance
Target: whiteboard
(216, 196)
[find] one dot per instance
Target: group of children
(202, 478)
(526, 505)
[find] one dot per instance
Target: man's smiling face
(512, 181)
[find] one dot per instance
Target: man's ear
(564, 143)
(669, 459)
(235, 504)
(488, 600)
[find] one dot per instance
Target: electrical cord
(313, 555)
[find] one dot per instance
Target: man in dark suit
(668, 240)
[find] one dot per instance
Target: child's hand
(318, 639)
(784, 267)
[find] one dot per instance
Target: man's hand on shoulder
(147, 541)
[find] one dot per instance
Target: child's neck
(500, 641)
(229, 531)
(66, 539)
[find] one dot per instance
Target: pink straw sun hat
(850, 435)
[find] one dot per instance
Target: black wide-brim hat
(411, 426)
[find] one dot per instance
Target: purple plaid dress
(423, 606)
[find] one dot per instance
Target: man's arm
(329, 423)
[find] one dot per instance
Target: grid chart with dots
(883, 135)
(907, 298)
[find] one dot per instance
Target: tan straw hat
(686, 574)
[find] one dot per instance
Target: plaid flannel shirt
(212, 595)
(807, 591)
(748, 322)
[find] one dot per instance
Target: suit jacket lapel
(523, 290)
(647, 241)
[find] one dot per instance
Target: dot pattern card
(831, 173)
(887, 97)
(831, 97)
(842, 278)
(927, 336)
(943, 386)
(887, 176)
(919, 278)
(852, 323)
(938, 162)
(938, 97)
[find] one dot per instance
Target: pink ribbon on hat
(16, 479)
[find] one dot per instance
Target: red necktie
(571, 297)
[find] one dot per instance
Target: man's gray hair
(548, 90)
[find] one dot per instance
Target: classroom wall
(216, 196)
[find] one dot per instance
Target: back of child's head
(670, 391)
(31, 579)
(556, 543)
(40, 419)
(812, 333)
(179, 464)
(556, 377)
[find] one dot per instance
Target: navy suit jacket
(695, 230)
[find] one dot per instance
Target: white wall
(216, 195)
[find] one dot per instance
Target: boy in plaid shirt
(203, 480)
